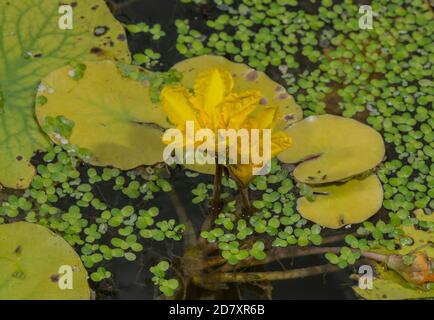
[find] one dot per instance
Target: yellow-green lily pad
(389, 285)
(31, 257)
(113, 115)
(332, 148)
(31, 46)
(423, 240)
(337, 205)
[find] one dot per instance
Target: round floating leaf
(31, 257)
(32, 45)
(332, 148)
(336, 205)
(113, 115)
(245, 78)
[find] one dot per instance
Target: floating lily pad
(33, 45)
(113, 115)
(30, 259)
(332, 148)
(388, 285)
(423, 240)
(337, 205)
(245, 78)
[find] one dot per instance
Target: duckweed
(381, 76)
(100, 231)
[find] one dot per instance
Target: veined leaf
(31, 46)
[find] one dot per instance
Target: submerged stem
(190, 232)
(244, 192)
(280, 254)
(216, 203)
(266, 276)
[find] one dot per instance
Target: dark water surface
(132, 280)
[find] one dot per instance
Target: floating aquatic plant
(329, 148)
(116, 109)
(215, 106)
(32, 257)
(337, 205)
(381, 77)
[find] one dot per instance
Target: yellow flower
(213, 105)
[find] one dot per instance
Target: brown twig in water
(189, 235)
(337, 237)
(265, 276)
(244, 192)
(280, 254)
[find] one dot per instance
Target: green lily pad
(113, 115)
(337, 205)
(31, 46)
(30, 259)
(332, 148)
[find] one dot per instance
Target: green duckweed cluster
(166, 286)
(149, 58)
(275, 222)
(346, 257)
(382, 76)
(156, 80)
(69, 197)
(155, 31)
(77, 71)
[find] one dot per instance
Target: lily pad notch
(334, 156)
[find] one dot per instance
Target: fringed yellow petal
(177, 106)
(280, 141)
(202, 117)
(211, 87)
(266, 117)
(237, 107)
